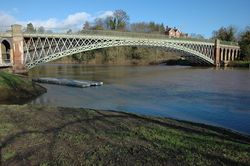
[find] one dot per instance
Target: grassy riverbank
(39, 135)
(121, 56)
(15, 89)
(245, 64)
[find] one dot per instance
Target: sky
(190, 16)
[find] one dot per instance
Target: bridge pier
(18, 51)
(217, 53)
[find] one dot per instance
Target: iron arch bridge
(44, 48)
(29, 50)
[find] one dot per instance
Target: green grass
(39, 135)
(8, 155)
(15, 89)
(11, 80)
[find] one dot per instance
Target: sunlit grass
(40, 135)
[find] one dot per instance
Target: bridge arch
(189, 53)
(5, 52)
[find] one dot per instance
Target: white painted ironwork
(42, 48)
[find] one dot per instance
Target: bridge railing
(138, 35)
(118, 34)
(229, 43)
(133, 35)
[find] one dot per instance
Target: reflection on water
(218, 97)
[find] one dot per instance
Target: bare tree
(41, 29)
(86, 25)
(139, 27)
(99, 24)
(69, 31)
(121, 19)
(110, 23)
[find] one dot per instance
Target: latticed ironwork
(42, 48)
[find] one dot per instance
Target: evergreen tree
(226, 34)
(245, 43)
(30, 28)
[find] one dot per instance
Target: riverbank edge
(242, 64)
(230, 132)
(18, 89)
(32, 125)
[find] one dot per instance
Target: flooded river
(219, 97)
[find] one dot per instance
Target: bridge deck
(103, 36)
(117, 34)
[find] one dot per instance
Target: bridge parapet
(118, 34)
(121, 34)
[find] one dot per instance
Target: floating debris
(67, 82)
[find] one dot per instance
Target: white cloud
(75, 20)
(50, 23)
(105, 14)
(6, 19)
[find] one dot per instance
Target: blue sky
(190, 16)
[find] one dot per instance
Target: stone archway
(5, 56)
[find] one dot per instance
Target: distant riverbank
(41, 135)
(17, 89)
(121, 56)
(245, 64)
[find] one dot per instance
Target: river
(219, 97)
